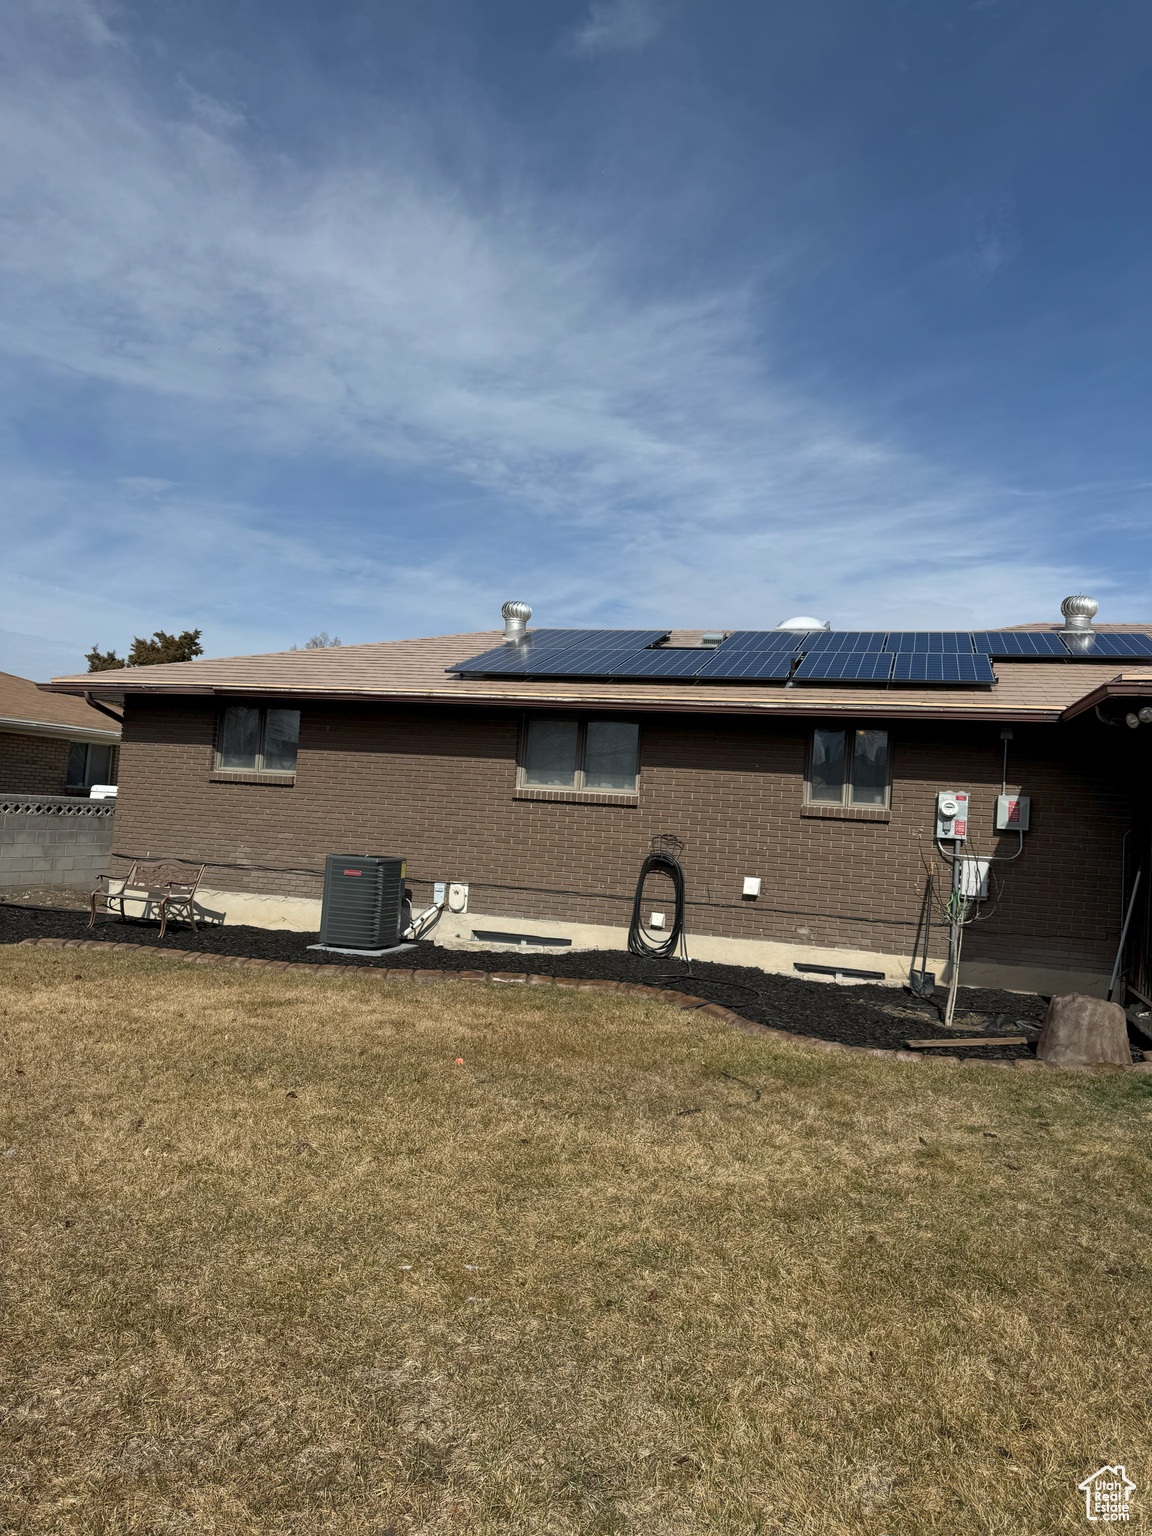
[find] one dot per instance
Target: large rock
(1079, 1031)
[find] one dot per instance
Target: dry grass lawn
(276, 1262)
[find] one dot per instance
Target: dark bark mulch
(854, 1015)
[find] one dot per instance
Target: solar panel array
(958, 657)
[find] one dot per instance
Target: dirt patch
(69, 900)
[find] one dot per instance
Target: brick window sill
(243, 776)
(846, 812)
(578, 796)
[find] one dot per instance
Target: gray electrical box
(363, 897)
(1012, 813)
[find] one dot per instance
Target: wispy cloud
(616, 26)
(646, 461)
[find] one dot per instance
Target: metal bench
(166, 888)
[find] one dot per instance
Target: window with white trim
(580, 754)
(849, 768)
(258, 740)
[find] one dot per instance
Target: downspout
(103, 708)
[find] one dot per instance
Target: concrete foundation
(455, 931)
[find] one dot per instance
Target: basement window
(588, 756)
(850, 769)
(255, 740)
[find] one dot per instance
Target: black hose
(639, 942)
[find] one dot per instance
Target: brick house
(51, 744)
(541, 790)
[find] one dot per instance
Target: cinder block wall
(32, 765)
(54, 840)
(438, 787)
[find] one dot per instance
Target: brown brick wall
(32, 765)
(437, 788)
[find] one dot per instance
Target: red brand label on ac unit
(353, 871)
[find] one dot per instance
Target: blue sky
(364, 317)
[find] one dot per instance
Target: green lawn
(275, 1261)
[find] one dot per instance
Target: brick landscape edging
(524, 978)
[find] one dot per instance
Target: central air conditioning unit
(363, 897)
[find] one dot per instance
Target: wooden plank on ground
(918, 1045)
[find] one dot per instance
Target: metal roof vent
(1079, 611)
(516, 615)
(804, 622)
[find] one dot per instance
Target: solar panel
(487, 661)
(763, 640)
(1037, 643)
(932, 642)
(682, 662)
(583, 663)
(844, 640)
(527, 658)
(624, 639)
(1108, 645)
(845, 667)
(747, 666)
(925, 667)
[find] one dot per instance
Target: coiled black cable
(639, 943)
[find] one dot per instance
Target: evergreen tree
(149, 653)
(102, 661)
(163, 647)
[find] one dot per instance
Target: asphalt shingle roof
(413, 671)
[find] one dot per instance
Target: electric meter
(952, 814)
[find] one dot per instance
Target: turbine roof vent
(1079, 611)
(516, 615)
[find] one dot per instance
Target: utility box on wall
(1012, 813)
(952, 814)
(363, 895)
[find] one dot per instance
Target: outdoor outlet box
(440, 892)
(751, 885)
(457, 897)
(974, 878)
(952, 814)
(1012, 813)
(656, 920)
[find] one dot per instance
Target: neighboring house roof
(26, 710)
(413, 671)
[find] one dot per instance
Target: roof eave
(57, 730)
(796, 704)
(1115, 688)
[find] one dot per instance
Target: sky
(363, 317)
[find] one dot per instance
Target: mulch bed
(867, 1015)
